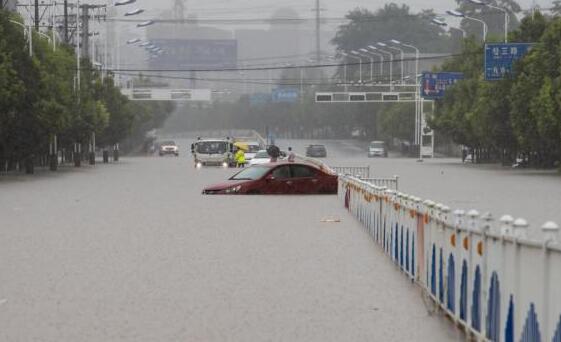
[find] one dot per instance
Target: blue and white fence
(486, 275)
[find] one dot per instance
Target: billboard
(289, 95)
(500, 57)
(434, 84)
(196, 53)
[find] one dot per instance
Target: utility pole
(36, 15)
(85, 39)
(318, 45)
(66, 21)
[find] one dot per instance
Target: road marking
(3, 301)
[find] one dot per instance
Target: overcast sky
(334, 8)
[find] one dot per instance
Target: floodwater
(133, 252)
(531, 194)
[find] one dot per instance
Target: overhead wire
(284, 67)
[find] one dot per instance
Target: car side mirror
(270, 178)
(193, 148)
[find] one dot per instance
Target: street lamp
(391, 62)
(134, 12)
(440, 22)
(381, 54)
(356, 53)
(344, 54)
(459, 14)
(418, 101)
(365, 54)
(401, 57)
(481, 3)
(145, 23)
(124, 2)
(378, 55)
(397, 42)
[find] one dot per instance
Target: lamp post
(418, 101)
(440, 22)
(365, 54)
(377, 54)
(391, 63)
(481, 3)
(344, 54)
(27, 31)
(357, 56)
(397, 42)
(459, 14)
(401, 57)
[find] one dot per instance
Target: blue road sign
(289, 95)
(259, 99)
(434, 84)
(500, 57)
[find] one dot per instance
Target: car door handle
(288, 182)
(314, 180)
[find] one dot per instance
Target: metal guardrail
(488, 277)
(356, 171)
(389, 182)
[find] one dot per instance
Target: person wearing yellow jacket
(239, 157)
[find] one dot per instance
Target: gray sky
(334, 8)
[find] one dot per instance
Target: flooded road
(133, 252)
(532, 194)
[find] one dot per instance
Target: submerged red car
(277, 178)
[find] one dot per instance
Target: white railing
(487, 276)
(388, 182)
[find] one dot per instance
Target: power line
(286, 67)
(281, 82)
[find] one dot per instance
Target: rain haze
(319, 170)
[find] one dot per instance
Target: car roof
(279, 163)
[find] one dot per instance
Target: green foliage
(38, 98)
(517, 116)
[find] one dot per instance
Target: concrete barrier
(487, 275)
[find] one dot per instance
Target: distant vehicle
(377, 149)
(261, 157)
(277, 178)
(252, 148)
(213, 152)
(316, 151)
(168, 147)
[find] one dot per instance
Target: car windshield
(376, 144)
(167, 143)
(317, 147)
(212, 147)
(262, 154)
(251, 173)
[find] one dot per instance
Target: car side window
(302, 171)
(281, 172)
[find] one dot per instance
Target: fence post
(550, 232)
(471, 248)
(458, 223)
(519, 229)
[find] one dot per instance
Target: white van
(377, 148)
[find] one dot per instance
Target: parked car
(277, 178)
(377, 149)
(168, 147)
(316, 151)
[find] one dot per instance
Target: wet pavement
(133, 252)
